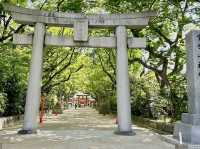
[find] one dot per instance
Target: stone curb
(171, 140)
(9, 121)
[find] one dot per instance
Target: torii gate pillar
(123, 91)
(34, 84)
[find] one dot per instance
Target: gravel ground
(81, 129)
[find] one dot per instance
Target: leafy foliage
(13, 71)
(3, 101)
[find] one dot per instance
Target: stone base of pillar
(124, 133)
(187, 146)
(24, 132)
(189, 128)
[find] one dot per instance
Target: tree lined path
(81, 129)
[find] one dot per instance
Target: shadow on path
(81, 129)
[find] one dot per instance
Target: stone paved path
(81, 129)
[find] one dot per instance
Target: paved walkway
(81, 129)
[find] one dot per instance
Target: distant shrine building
(81, 100)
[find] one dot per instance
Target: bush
(15, 96)
(104, 107)
(57, 109)
(113, 104)
(3, 101)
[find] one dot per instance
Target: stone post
(34, 84)
(189, 127)
(123, 91)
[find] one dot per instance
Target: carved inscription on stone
(193, 70)
(198, 51)
(81, 30)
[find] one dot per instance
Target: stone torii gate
(80, 23)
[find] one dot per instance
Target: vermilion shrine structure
(81, 23)
(81, 99)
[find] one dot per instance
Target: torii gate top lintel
(81, 23)
(31, 16)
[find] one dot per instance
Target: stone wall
(152, 124)
(10, 121)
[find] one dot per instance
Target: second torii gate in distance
(80, 23)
